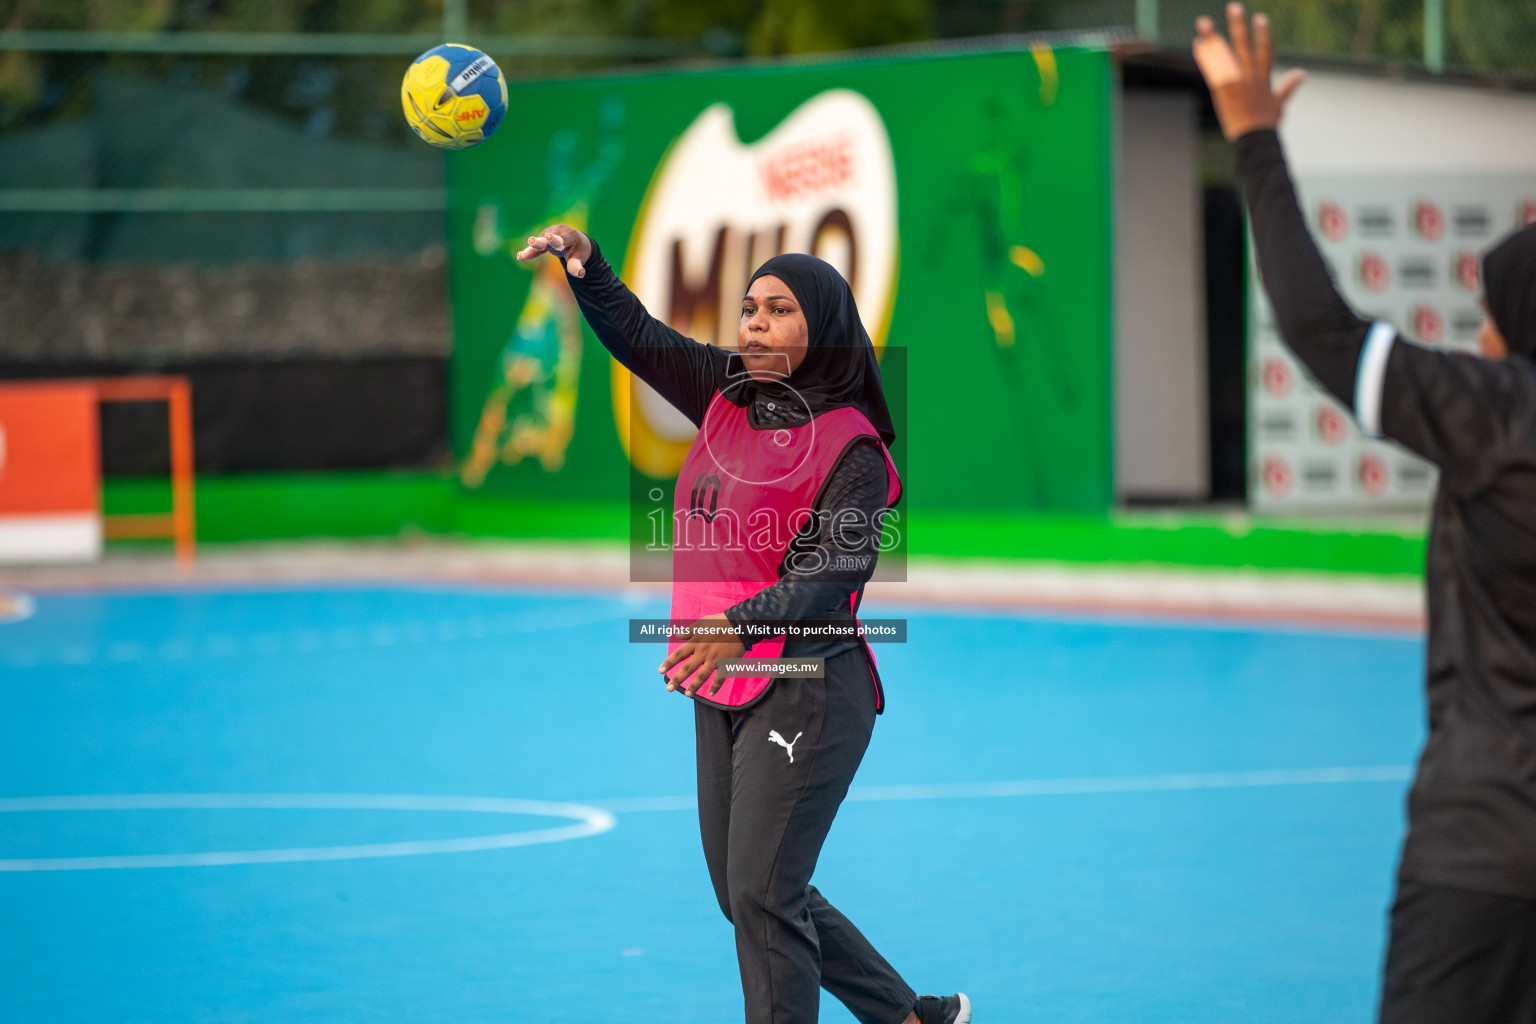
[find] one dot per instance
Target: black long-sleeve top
(1472, 808)
(687, 374)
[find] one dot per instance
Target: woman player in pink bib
(777, 520)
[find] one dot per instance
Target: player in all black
(1463, 926)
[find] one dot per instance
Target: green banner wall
(977, 230)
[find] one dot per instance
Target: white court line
(591, 821)
(1067, 787)
(594, 820)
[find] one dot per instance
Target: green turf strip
(378, 504)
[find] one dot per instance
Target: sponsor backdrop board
(1404, 250)
(965, 196)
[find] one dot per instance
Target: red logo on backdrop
(1527, 213)
(1331, 424)
(1466, 270)
(1374, 273)
(1373, 474)
(807, 168)
(1277, 476)
(1428, 221)
(1278, 377)
(1331, 221)
(1428, 324)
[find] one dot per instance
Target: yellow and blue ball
(454, 96)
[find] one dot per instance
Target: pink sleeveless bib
(741, 496)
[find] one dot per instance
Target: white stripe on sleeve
(1370, 376)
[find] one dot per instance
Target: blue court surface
(459, 804)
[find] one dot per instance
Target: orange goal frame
(181, 524)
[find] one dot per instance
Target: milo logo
(823, 181)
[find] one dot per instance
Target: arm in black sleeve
(682, 371)
(1456, 410)
(1314, 320)
(825, 566)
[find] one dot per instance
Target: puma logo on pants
(774, 737)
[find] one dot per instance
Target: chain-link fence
(227, 189)
(205, 193)
(155, 177)
(224, 133)
(1484, 37)
(194, 180)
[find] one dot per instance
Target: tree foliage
(760, 26)
(1494, 37)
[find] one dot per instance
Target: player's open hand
(1238, 73)
(709, 641)
(563, 241)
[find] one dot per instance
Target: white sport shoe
(955, 1009)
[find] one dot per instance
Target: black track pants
(764, 817)
(1460, 957)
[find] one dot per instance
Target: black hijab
(839, 368)
(1509, 287)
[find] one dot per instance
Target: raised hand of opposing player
(1238, 74)
(564, 241)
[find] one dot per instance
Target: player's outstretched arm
(681, 370)
(1458, 411)
(1313, 318)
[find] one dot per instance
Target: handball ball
(454, 96)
